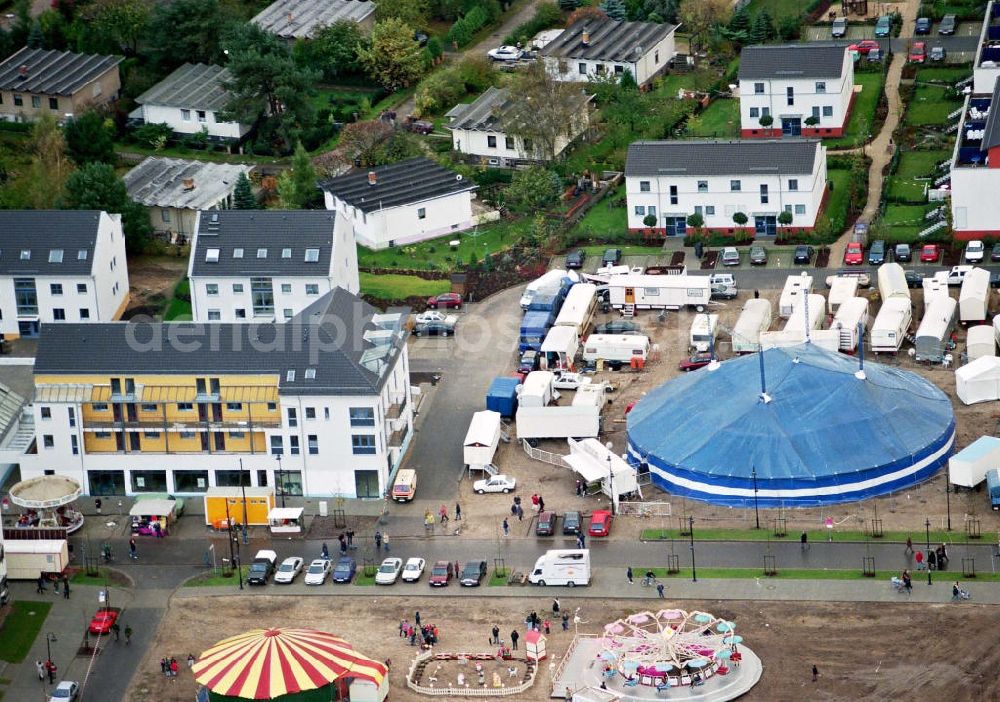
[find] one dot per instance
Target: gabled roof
(53, 72)
(486, 113)
(163, 182)
(608, 40)
(48, 242)
(339, 345)
(991, 132)
(776, 61)
(407, 182)
(302, 19)
(195, 86)
(722, 158)
(263, 242)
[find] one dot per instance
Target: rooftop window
(237, 253)
(312, 255)
(211, 256)
(56, 256)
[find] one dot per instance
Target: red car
(855, 254)
(445, 300)
(699, 360)
(864, 47)
(918, 52)
(441, 574)
(600, 523)
(930, 253)
(103, 621)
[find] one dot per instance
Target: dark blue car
(344, 571)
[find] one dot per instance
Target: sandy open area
(863, 651)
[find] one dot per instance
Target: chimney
(188, 184)
(289, 17)
(23, 71)
(585, 38)
(372, 178)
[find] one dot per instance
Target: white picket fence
(645, 509)
(469, 691)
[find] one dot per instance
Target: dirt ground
(903, 510)
(153, 276)
(863, 651)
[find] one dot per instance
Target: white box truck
(754, 319)
(795, 287)
(968, 467)
(615, 349)
(891, 325)
(703, 332)
(570, 567)
(28, 559)
(974, 298)
(549, 282)
(565, 422)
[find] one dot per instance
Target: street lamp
(281, 484)
(232, 555)
(947, 497)
(694, 572)
(611, 478)
(243, 488)
(928, 527)
(753, 474)
(49, 638)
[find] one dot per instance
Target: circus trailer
(842, 288)
(974, 298)
(754, 319)
(558, 422)
(560, 348)
(259, 503)
(891, 325)
(980, 342)
(795, 287)
(935, 288)
(481, 440)
(671, 292)
(935, 330)
(851, 314)
(569, 567)
(537, 390)
(892, 282)
(30, 558)
(579, 308)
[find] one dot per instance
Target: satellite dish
(458, 177)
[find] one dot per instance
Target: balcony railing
(395, 410)
(397, 437)
(208, 424)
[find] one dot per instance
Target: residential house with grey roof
(303, 19)
(318, 407)
(672, 180)
(402, 203)
(480, 129)
(268, 265)
(174, 191)
(36, 82)
(190, 101)
(60, 266)
(806, 89)
(975, 170)
(596, 48)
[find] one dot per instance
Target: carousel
(289, 665)
(47, 503)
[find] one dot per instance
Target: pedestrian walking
(520, 513)
(128, 634)
(403, 627)
(65, 582)
(579, 488)
(659, 590)
(443, 514)
(378, 541)
(457, 569)
(565, 621)
(343, 549)
(350, 538)
(173, 667)
(50, 668)
(815, 673)
(325, 552)
(756, 294)
(514, 636)
(556, 606)
(541, 504)
(534, 501)
(132, 549)
(40, 586)
(919, 558)
(97, 505)
(628, 574)
(116, 630)
(458, 512)
(506, 527)
(804, 541)
(40, 669)
(416, 618)
(931, 560)
(547, 627)
(579, 540)
(55, 585)
(496, 635)
(385, 541)
(909, 546)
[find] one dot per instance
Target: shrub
(546, 16)
(153, 135)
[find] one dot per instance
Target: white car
(317, 572)
(413, 569)
(570, 381)
(957, 274)
(495, 483)
(730, 256)
(505, 53)
(974, 251)
(388, 571)
(66, 691)
(436, 316)
(288, 570)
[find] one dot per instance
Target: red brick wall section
(831, 132)
(969, 235)
(993, 157)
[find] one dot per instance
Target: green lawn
(929, 106)
(815, 535)
(903, 184)
(862, 117)
(392, 286)
(22, 625)
(904, 221)
(81, 577)
(943, 74)
(213, 579)
(498, 578)
(436, 254)
(720, 120)
(604, 217)
(179, 308)
(362, 578)
(329, 98)
(836, 204)
(777, 8)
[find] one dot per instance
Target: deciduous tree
(90, 138)
(186, 31)
(361, 141)
(532, 189)
(699, 17)
(413, 13)
(333, 51)
(297, 186)
(121, 21)
(544, 111)
(394, 59)
(49, 167)
(96, 186)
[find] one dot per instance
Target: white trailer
(558, 422)
(570, 567)
(754, 319)
(815, 306)
(615, 348)
(795, 287)
(968, 467)
(28, 559)
(851, 313)
(892, 282)
(891, 325)
(481, 440)
(934, 330)
(828, 339)
(578, 310)
(974, 298)
(980, 342)
(978, 381)
(703, 331)
(560, 347)
(935, 288)
(592, 395)
(670, 292)
(537, 390)
(841, 288)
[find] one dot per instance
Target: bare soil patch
(152, 280)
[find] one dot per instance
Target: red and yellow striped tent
(269, 664)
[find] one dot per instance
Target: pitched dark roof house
(607, 40)
(196, 86)
(721, 158)
(53, 72)
(407, 182)
(48, 242)
(808, 60)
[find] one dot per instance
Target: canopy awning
(590, 470)
(280, 513)
(153, 508)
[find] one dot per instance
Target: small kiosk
(152, 517)
(534, 645)
(259, 503)
(285, 520)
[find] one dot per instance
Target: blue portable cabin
(502, 396)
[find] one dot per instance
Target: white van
(570, 567)
(703, 331)
(615, 349)
(549, 282)
(405, 485)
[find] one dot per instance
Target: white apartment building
(593, 48)
(403, 203)
(478, 129)
(986, 67)
(672, 180)
(268, 265)
(793, 83)
(975, 169)
(320, 406)
(188, 101)
(60, 266)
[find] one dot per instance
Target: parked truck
(552, 281)
(262, 567)
(569, 567)
(558, 422)
(31, 558)
(993, 486)
(534, 326)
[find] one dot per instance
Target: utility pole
(243, 483)
(756, 512)
(231, 539)
(928, 527)
(694, 572)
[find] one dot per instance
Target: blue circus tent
(821, 435)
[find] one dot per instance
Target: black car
(473, 573)
(571, 523)
(758, 255)
(803, 254)
(574, 259)
(433, 329)
(611, 257)
(947, 26)
(546, 524)
(914, 279)
(995, 253)
(923, 26)
(902, 253)
(621, 326)
(876, 254)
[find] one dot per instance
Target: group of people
(443, 513)
(168, 666)
(346, 541)
(426, 633)
(48, 668)
(937, 559)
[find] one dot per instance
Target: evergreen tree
(665, 10)
(740, 21)
(569, 5)
(243, 197)
(758, 29)
(767, 25)
(297, 187)
(36, 39)
(614, 9)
